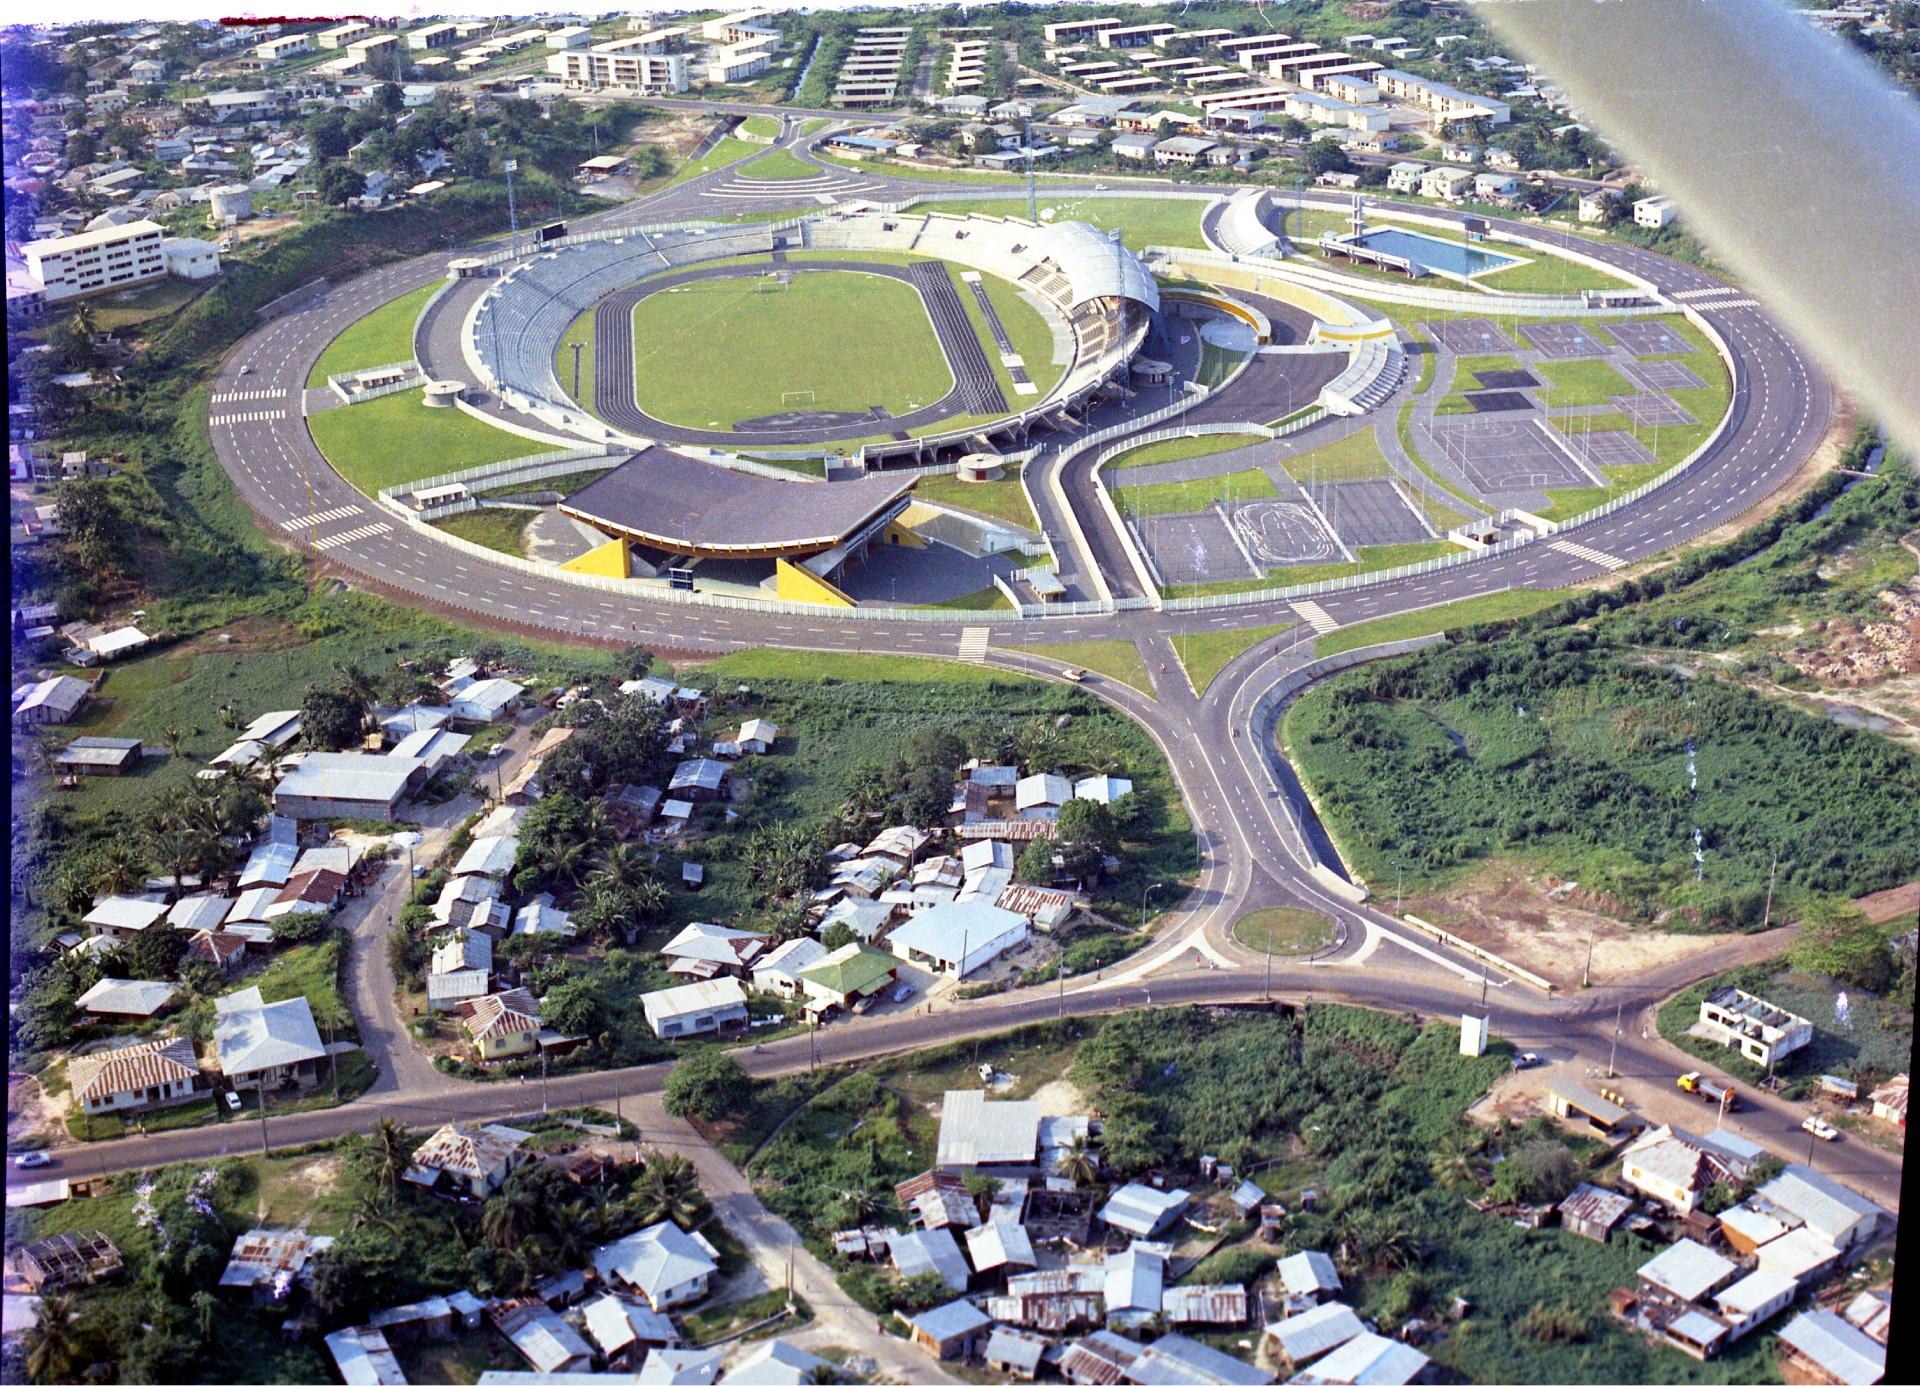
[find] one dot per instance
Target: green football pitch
(711, 353)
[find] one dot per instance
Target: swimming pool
(1444, 257)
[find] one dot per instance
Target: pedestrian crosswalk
(348, 536)
(1594, 556)
(1688, 295)
(1314, 615)
(323, 517)
(256, 416)
(235, 396)
(973, 644)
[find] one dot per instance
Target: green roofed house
(847, 977)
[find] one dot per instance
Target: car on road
(1820, 1128)
(1528, 1060)
(904, 993)
(232, 1099)
(246, 370)
(495, 752)
(1075, 675)
(32, 1159)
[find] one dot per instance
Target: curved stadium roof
(1096, 266)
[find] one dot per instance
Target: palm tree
(669, 1188)
(1078, 1162)
(621, 867)
(509, 1217)
(649, 900)
(121, 868)
(54, 1351)
(387, 1155)
(1455, 1167)
(572, 1227)
(171, 737)
(356, 683)
(230, 717)
(562, 860)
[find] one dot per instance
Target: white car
(1075, 675)
(33, 1159)
(232, 1099)
(1820, 1128)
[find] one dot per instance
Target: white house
(960, 937)
(700, 1008)
(486, 700)
(1654, 212)
(661, 1264)
(158, 1073)
(779, 972)
(265, 1045)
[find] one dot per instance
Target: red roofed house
(159, 1073)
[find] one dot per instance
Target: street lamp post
(1143, 902)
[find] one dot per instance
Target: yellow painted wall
(792, 583)
(609, 560)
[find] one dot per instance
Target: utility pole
(333, 1059)
(1398, 876)
(1060, 1012)
(1586, 976)
(261, 1088)
(576, 368)
(543, 1080)
(1033, 195)
(1266, 987)
(1772, 871)
(513, 215)
(1614, 1052)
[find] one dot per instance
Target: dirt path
(838, 1321)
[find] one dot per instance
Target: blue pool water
(1448, 257)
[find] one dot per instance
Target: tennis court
(1653, 409)
(1192, 548)
(1369, 512)
(1470, 336)
(1565, 341)
(1662, 375)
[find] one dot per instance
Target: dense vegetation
(1572, 736)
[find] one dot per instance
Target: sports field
(714, 352)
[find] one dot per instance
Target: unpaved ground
(1885, 906)
(680, 134)
(1060, 1098)
(30, 1112)
(1511, 912)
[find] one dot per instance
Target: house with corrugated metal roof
(139, 1077)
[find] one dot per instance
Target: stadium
(724, 362)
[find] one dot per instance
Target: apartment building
(280, 49)
(1439, 100)
(342, 34)
(114, 257)
(433, 36)
(651, 62)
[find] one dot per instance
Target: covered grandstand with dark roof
(677, 504)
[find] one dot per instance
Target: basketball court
(1369, 512)
(1662, 375)
(1505, 455)
(1652, 409)
(1470, 336)
(1646, 338)
(1192, 548)
(1612, 447)
(1498, 401)
(1565, 341)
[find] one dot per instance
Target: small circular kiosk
(441, 394)
(1148, 371)
(980, 466)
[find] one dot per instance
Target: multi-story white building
(646, 62)
(114, 257)
(279, 49)
(1729, 1016)
(433, 36)
(1439, 100)
(342, 34)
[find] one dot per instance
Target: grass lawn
(778, 166)
(1117, 659)
(711, 353)
(1355, 457)
(1468, 369)
(1424, 349)
(582, 332)
(918, 174)
(496, 529)
(764, 125)
(131, 307)
(1217, 363)
(1142, 221)
(311, 970)
(1206, 653)
(1175, 449)
(1404, 426)
(1495, 606)
(1284, 930)
(381, 338)
(1005, 499)
(396, 438)
(1372, 558)
(566, 484)
(1185, 497)
(728, 151)
(1545, 274)
(1030, 333)
(1581, 382)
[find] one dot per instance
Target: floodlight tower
(1033, 196)
(513, 217)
